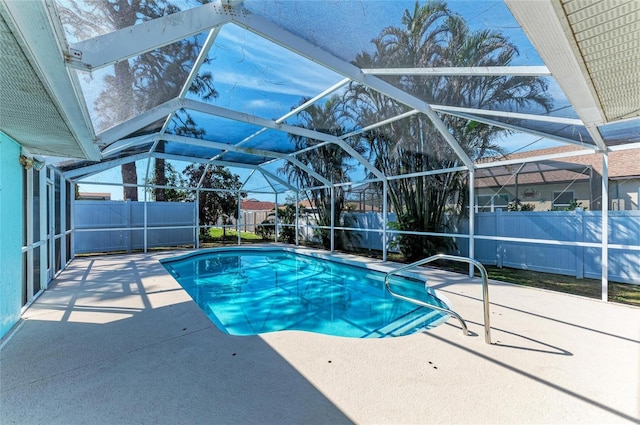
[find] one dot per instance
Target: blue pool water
(247, 292)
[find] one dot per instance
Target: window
(488, 203)
(563, 199)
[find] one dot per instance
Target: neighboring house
(254, 212)
(555, 184)
(94, 196)
(253, 205)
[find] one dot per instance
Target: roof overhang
(41, 109)
(591, 48)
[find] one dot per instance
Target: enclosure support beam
(202, 57)
(475, 71)
(503, 114)
(89, 170)
(268, 175)
(275, 222)
(508, 126)
(294, 43)
(223, 146)
(297, 221)
(131, 41)
(44, 220)
(472, 218)
(145, 188)
(274, 125)
(148, 117)
(197, 219)
(448, 137)
(239, 220)
(333, 209)
(132, 142)
(145, 223)
(385, 189)
(605, 226)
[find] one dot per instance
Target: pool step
(408, 323)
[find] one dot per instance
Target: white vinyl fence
(556, 228)
(552, 230)
(108, 226)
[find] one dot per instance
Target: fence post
(127, 224)
(499, 232)
(579, 227)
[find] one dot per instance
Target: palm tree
(139, 83)
(432, 36)
(328, 160)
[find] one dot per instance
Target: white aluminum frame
(107, 49)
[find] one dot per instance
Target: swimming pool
(248, 291)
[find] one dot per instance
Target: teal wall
(10, 234)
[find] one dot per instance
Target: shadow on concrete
(100, 351)
(533, 377)
(564, 322)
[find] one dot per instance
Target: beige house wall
(541, 196)
(623, 194)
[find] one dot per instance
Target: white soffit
(38, 105)
(592, 48)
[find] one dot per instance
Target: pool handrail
(427, 305)
(485, 290)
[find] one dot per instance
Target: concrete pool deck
(115, 340)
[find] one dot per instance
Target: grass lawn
(618, 292)
(218, 234)
(592, 288)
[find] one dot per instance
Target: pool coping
(115, 339)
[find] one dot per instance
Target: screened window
(488, 203)
(563, 199)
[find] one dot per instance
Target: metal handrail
(423, 304)
(485, 290)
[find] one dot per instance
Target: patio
(115, 340)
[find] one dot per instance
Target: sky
(257, 77)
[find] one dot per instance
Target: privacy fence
(562, 242)
(109, 226)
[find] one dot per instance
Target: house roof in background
(255, 205)
(622, 164)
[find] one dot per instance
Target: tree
(432, 36)
(328, 160)
(170, 178)
(139, 83)
(212, 205)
